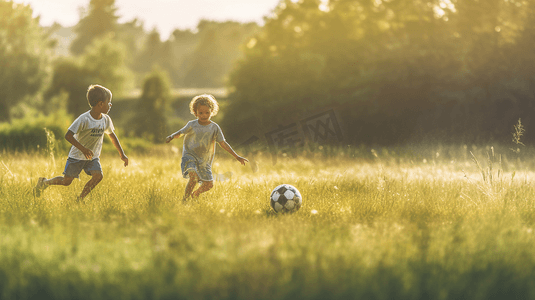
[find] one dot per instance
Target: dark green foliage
(150, 119)
(396, 71)
(103, 62)
(24, 138)
(70, 77)
(30, 134)
(24, 55)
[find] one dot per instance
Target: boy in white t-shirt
(86, 135)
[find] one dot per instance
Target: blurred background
(389, 72)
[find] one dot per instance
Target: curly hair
(204, 99)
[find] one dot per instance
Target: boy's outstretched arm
(175, 135)
(227, 147)
(115, 142)
(69, 136)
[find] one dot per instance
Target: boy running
(200, 138)
(86, 135)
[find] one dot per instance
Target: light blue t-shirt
(199, 146)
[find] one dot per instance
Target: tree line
(118, 55)
(395, 71)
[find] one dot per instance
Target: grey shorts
(75, 166)
(190, 164)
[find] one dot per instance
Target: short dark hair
(96, 93)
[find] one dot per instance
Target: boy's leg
(205, 186)
(96, 177)
(73, 167)
(59, 180)
(193, 179)
(43, 183)
(93, 169)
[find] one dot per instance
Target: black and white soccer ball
(285, 198)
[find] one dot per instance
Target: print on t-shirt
(97, 132)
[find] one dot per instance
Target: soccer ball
(285, 198)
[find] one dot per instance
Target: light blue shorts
(75, 166)
(190, 164)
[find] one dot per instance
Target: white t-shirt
(90, 133)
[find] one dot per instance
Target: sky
(164, 15)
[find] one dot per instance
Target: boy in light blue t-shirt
(200, 138)
(86, 135)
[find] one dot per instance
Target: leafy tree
(183, 44)
(130, 34)
(166, 59)
(103, 62)
(70, 78)
(217, 52)
(396, 70)
(24, 55)
(195, 59)
(100, 20)
(290, 64)
(204, 62)
(487, 33)
(150, 53)
(150, 120)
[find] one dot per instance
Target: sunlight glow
(165, 15)
(324, 6)
(447, 4)
(251, 43)
(440, 10)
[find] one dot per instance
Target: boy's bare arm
(117, 144)
(229, 149)
(69, 136)
(175, 135)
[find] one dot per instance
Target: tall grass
(397, 223)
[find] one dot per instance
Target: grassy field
(404, 223)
